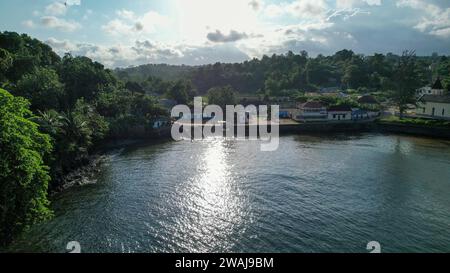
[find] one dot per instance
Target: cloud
(128, 23)
(443, 32)
(60, 46)
(342, 4)
(300, 9)
(28, 24)
(59, 24)
(56, 8)
(144, 52)
(219, 37)
(434, 20)
(126, 14)
(255, 4)
(73, 2)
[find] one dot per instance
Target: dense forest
(56, 110)
(53, 114)
(281, 75)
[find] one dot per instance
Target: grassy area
(417, 121)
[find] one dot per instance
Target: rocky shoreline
(83, 175)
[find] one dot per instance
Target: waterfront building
(436, 89)
(311, 111)
(434, 106)
(340, 112)
(359, 114)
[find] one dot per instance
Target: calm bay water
(314, 194)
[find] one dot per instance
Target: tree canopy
(23, 175)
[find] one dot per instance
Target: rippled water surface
(314, 194)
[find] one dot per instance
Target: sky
(122, 33)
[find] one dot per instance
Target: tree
(43, 88)
(405, 81)
(6, 61)
(181, 91)
(23, 176)
(222, 96)
(83, 78)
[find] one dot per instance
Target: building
(434, 106)
(340, 112)
(360, 114)
(436, 89)
(311, 111)
(161, 122)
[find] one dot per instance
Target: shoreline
(84, 175)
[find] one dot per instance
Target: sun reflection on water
(215, 202)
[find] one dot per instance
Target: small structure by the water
(434, 107)
(311, 111)
(436, 89)
(161, 122)
(339, 112)
(360, 114)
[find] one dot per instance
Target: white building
(340, 112)
(434, 106)
(437, 89)
(311, 111)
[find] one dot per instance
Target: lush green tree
(83, 78)
(23, 176)
(134, 87)
(27, 54)
(405, 81)
(182, 91)
(43, 88)
(222, 96)
(6, 61)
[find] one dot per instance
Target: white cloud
(434, 20)
(56, 9)
(73, 2)
(59, 24)
(28, 24)
(343, 4)
(128, 23)
(126, 14)
(304, 9)
(443, 32)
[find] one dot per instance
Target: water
(314, 194)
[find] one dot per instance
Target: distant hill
(278, 75)
(162, 71)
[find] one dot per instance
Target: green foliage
(124, 109)
(84, 78)
(6, 61)
(182, 91)
(73, 134)
(23, 176)
(222, 96)
(406, 80)
(27, 54)
(78, 104)
(43, 88)
(417, 121)
(273, 75)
